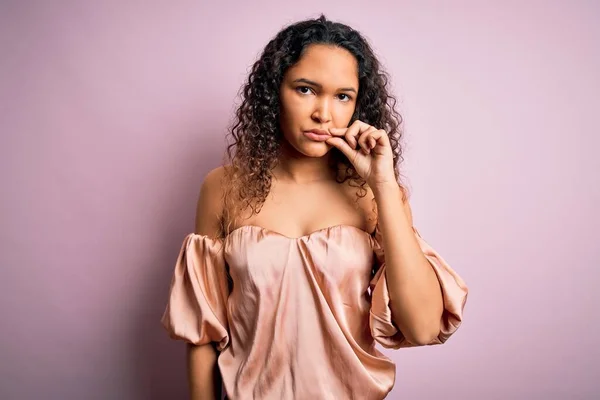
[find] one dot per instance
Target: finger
(349, 136)
(342, 132)
(366, 140)
(358, 125)
(338, 131)
(344, 147)
(372, 142)
(380, 138)
(351, 133)
(356, 129)
(363, 140)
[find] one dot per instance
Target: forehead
(327, 65)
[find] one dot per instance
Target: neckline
(307, 236)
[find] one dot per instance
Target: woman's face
(319, 92)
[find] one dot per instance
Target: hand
(374, 160)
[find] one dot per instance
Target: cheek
(288, 117)
(295, 105)
(343, 114)
(293, 109)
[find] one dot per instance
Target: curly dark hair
(256, 133)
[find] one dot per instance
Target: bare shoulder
(210, 203)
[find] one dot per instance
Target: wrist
(385, 189)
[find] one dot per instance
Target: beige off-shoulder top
(302, 315)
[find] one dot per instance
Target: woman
(304, 255)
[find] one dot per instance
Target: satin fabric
(297, 318)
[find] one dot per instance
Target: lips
(319, 132)
(318, 135)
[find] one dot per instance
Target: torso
(319, 283)
(296, 210)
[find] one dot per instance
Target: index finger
(338, 131)
(354, 129)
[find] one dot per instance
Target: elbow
(424, 335)
(420, 326)
(423, 339)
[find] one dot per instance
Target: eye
(302, 88)
(347, 98)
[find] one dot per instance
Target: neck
(297, 168)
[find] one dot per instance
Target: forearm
(415, 292)
(203, 373)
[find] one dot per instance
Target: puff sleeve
(454, 292)
(196, 310)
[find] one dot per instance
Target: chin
(307, 148)
(316, 149)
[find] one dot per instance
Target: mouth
(317, 135)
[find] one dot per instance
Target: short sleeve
(454, 293)
(196, 310)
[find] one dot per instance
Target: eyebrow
(303, 80)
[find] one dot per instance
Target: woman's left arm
(415, 292)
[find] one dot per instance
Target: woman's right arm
(203, 373)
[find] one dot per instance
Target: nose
(322, 112)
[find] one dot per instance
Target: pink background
(112, 112)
